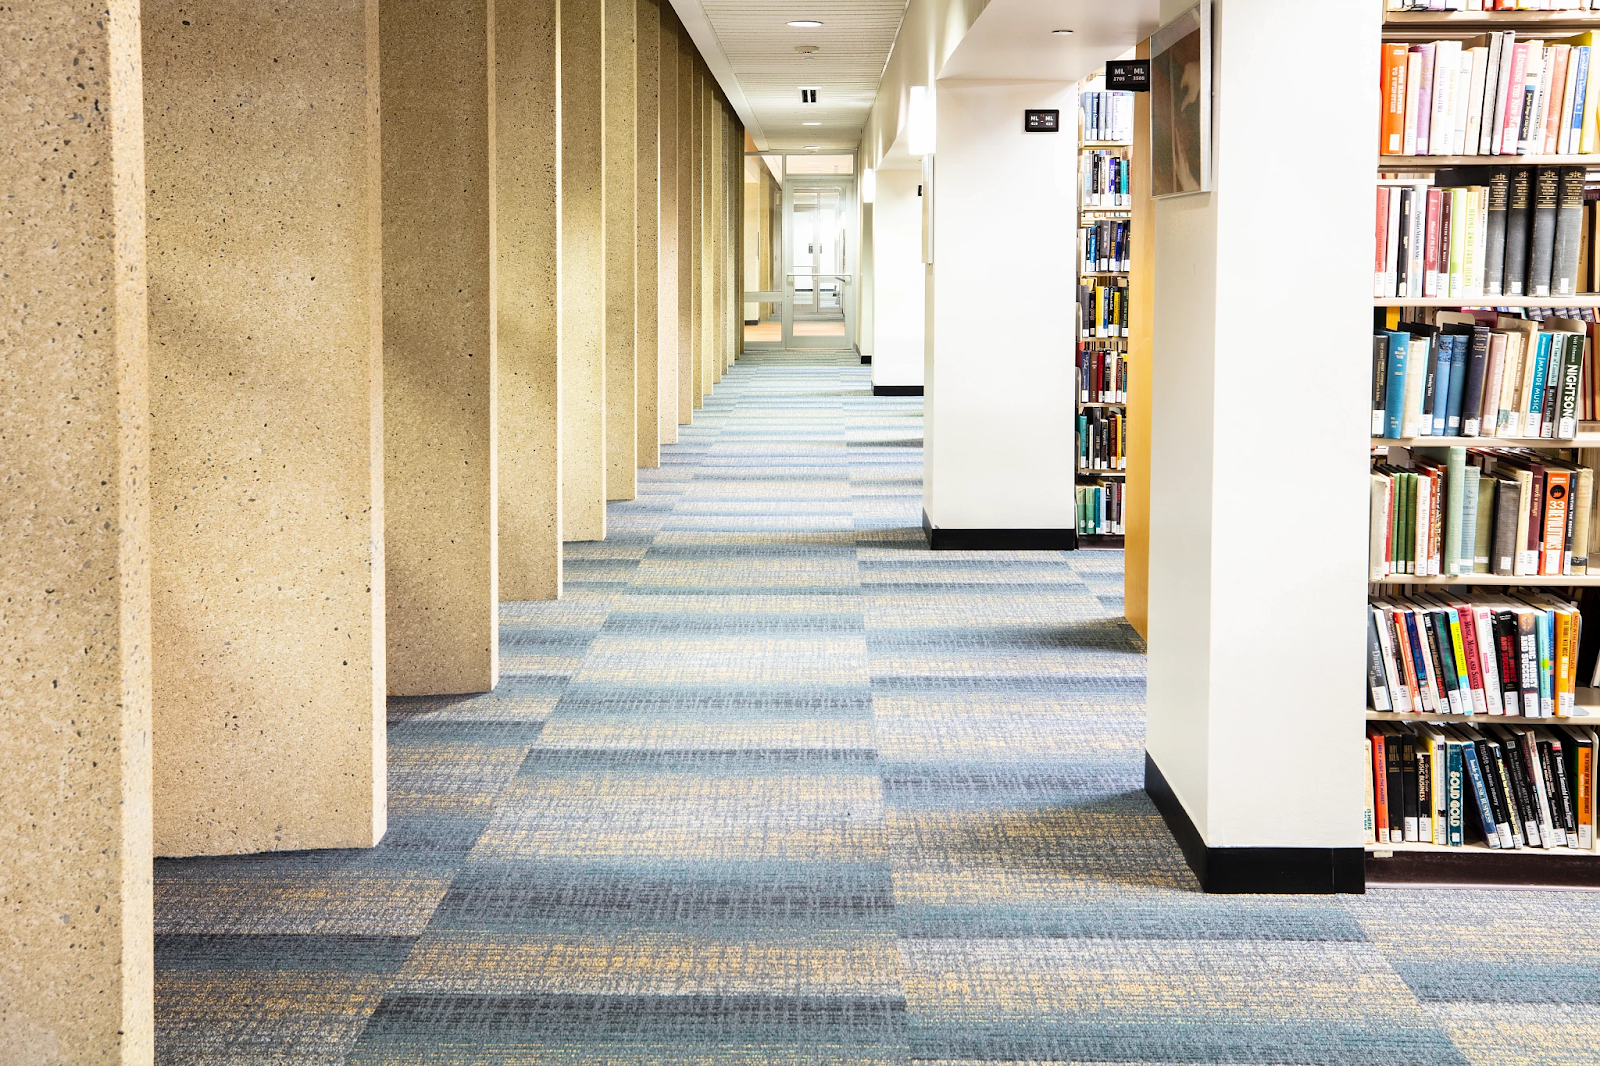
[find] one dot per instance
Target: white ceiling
(748, 43)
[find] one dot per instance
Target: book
(1542, 237)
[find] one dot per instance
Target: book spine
(1571, 382)
(1433, 243)
(1455, 816)
(1541, 252)
(1410, 791)
(1494, 251)
(1568, 232)
(1377, 679)
(1557, 486)
(1512, 99)
(1518, 211)
(1479, 781)
(1394, 115)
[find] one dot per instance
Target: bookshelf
(1474, 862)
(1105, 214)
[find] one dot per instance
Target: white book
(1446, 69)
(1537, 76)
(1569, 99)
(1413, 101)
(1502, 100)
(1491, 81)
(1488, 662)
(1461, 104)
(1419, 239)
(1415, 384)
(1474, 129)
(1391, 263)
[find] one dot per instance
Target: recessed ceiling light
(810, 123)
(1060, 31)
(813, 147)
(805, 24)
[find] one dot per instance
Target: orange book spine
(1394, 99)
(1557, 484)
(1585, 789)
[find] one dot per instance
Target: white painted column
(999, 373)
(1257, 548)
(899, 279)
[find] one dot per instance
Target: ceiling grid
(852, 48)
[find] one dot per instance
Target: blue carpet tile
(774, 784)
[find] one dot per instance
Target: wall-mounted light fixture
(920, 125)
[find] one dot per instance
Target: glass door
(818, 308)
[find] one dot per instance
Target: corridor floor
(774, 784)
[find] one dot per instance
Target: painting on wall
(1180, 104)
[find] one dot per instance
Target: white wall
(898, 279)
(1262, 325)
(1000, 449)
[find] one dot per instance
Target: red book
(1380, 785)
(1434, 247)
(1380, 259)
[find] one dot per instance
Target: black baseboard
(866, 360)
(1274, 871)
(1471, 868)
(999, 540)
(896, 390)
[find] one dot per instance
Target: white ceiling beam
(695, 20)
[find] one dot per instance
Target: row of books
(1106, 116)
(1102, 439)
(1103, 307)
(1102, 375)
(1106, 179)
(1437, 513)
(1494, 5)
(1492, 95)
(1460, 378)
(1521, 232)
(1100, 508)
(1103, 245)
(1475, 653)
(1507, 786)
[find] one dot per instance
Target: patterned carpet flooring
(774, 784)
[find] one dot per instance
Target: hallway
(773, 784)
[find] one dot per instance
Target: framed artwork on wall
(1180, 104)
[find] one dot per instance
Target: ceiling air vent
(808, 95)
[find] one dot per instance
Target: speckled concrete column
(719, 184)
(526, 225)
(667, 280)
(438, 348)
(688, 349)
(697, 242)
(621, 177)
(75, 924)
(647, 446)
(582, 320)
(266, 424)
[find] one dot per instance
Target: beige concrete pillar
(688, 346)
(647, 432)
(705, 246)
(582, 315)
(526, 256)
(442, 603)
(697, 229)
(620, 121)
(75, 926)
(717, 198)
(266, 418)
(668, 280)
